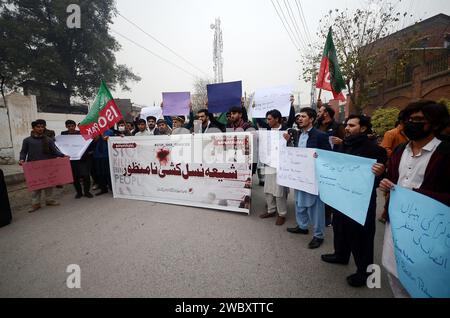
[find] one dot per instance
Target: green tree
(384, 119)
(446, 102)
(37, 44)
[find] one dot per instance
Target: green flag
(330, 76)
(103, 115)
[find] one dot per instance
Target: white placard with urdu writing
(272, 98)
(296, 169)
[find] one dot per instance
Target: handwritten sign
(269, 143)
(151, 111)
(421, 234)
(73, 146)
(263, 146)
(176, 104)
(296, 169)
(44, 174)
(272, 98)
(345, 183)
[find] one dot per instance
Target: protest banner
(345, 182)
(223, 96)
(44, 174)
(103, 114)
(73, 146)
(272, 98)
(176, 104)
(296, 168)
(202, 170)
(421, 235)
(154, 111)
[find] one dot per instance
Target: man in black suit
(350, 237)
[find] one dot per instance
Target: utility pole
(217, 52)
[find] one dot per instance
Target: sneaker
(52, 203)
(78, 196)
(88, 195)
(34, 208)
(94, 187)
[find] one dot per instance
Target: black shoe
(333, 259)
(101, 192)
(88, 195)
(357, 280)
(78, 196)
(315, 243)
(297, 230)
(261, 183)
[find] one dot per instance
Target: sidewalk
(19, 196)
(13, 174)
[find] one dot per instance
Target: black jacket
(362, 146)
(333, 129)
(317, 139)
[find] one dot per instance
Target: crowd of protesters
(415, 154)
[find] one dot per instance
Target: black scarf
(354, 142)
(45, 142)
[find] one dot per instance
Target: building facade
(410, 64)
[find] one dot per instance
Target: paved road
(141, 249)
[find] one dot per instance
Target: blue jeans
(309, 209)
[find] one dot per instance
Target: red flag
(104, 114)
(330, 77)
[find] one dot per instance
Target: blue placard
(421, 234)
(345, 183)
(223, 96)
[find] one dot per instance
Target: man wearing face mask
(422, 165)
(349, 236)
(122, 130)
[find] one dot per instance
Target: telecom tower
(218, 49)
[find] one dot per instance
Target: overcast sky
(257, 49)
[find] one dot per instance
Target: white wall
(22, 111)
(56, 122)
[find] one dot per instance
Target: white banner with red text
(202, 170)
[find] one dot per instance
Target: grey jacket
(32, 150)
